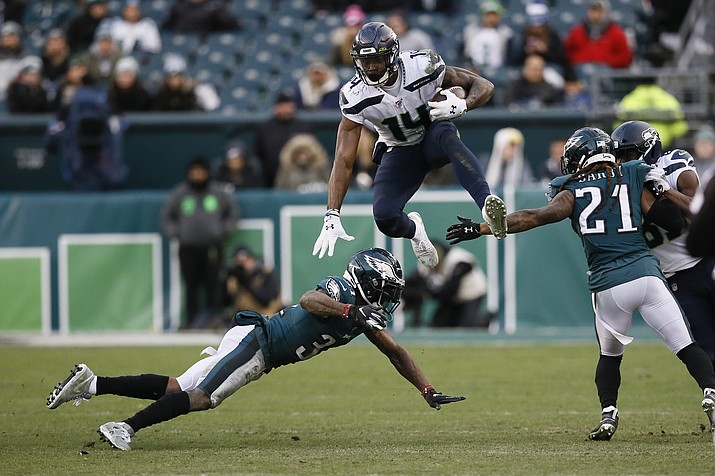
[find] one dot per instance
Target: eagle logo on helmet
(386, 270)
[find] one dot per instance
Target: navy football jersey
(612, 235)
(293, 334)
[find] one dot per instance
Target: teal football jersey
(612, 236)
(293, 334)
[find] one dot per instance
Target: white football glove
(450, 108)
(657, 181)
(331, 231)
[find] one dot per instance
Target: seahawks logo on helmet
(650, 136)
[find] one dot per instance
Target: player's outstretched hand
(329, 234)
(466, 229)
(370, 315)
(436, 399)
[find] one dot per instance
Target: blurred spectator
(12, 53)
(506, 163)
(26, 94)
(201, 17)
(531, 90)
(657, 24)
(133, 33)
(304, 165)
(101, 58)
(179, 92)
(576, 95)
(704, 154)
(653, 104)
(273, 134)
(55, 56)
(252, 284)
(485, 44)
(540, 38)
(90, 141)
(199, 214)
(127, 93)
(342, 37)
(551, 167)
(13, 10)
(81, 29)
(76, 77)
(364, 169)
(411, 39)
(598, 39)
(458, 285)
(443, 6)
(319, 88)
(42, 16)
(237, 169)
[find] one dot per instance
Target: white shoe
(74, 387)
(421, 245)
(708, 404)
(118, 435)
(494, 213)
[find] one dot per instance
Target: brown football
(457, 90)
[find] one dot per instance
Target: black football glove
(371, 315)
(436, 399)
(467, 229)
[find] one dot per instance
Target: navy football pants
(403, 169)
(694, 289)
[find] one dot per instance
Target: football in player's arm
(394, 91)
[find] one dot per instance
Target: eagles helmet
(586, 146)
(638, 136)
(377, 276)
(374, 52)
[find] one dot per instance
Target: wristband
(426, 390)
(346, 311)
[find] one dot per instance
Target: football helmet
(374, 52)
(586, 146)
(377, 276)
(639, 136)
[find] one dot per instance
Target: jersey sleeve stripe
(418, 83)
(363, 104)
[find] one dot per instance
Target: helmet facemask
(377, 276)
(374, 51)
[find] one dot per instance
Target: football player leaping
(394, 93)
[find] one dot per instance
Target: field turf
(528, 412)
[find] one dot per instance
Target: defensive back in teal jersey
(294, 334)
(611, 232)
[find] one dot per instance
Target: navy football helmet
(374, 52)
(637, 140)
(586, 146)
(377, 276)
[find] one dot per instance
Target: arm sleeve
(701, 237)
(666, 215)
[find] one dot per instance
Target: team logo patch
(333, 288)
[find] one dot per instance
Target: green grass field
(528, 411)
